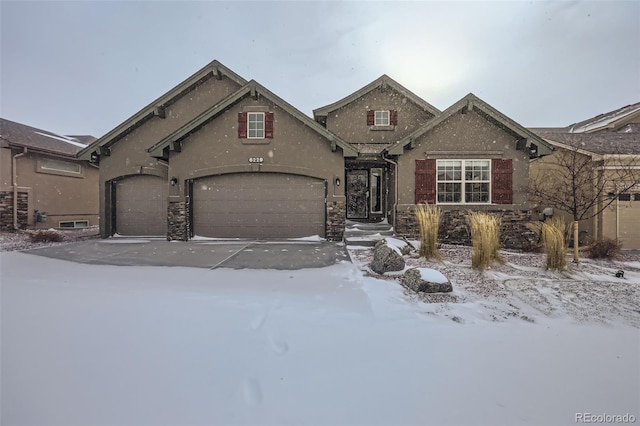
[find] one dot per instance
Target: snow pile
(97, 344)
(432, 276)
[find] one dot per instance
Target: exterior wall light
(174, 181)
(337, 181)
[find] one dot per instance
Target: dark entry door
(357, 194)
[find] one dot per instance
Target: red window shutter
(371, 118)
(268, 125)
(242, 125)
(393, 117)
(502, 181)
(425, 181)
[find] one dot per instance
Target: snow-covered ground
(94, 344)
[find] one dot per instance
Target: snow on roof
(63, 139)
(606, 119)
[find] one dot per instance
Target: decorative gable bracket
(159, 111)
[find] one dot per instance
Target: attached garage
(629, 228)
(141, 206)
(258, 205)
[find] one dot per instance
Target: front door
(357, 194)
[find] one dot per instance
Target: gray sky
(83, 67)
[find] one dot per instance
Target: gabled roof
(601, 143)
(381, 82)
(253, 88)
(213, 69)
(608, 120)
(32, 138)
(466, 104)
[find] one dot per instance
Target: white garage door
(258, 205)
(141, 206)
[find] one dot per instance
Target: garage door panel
(259, 205)
(141, 206)
(629, 217)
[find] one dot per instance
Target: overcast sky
(83, 67)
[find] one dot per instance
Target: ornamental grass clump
(553, 239)
(428, 217)
(485, 239)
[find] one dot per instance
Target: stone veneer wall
(6, 210)
(336, 220)
(178, 221)
(454, 228)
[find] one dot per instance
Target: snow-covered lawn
(85, 344)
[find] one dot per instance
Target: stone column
(178, 221)
(336, 220)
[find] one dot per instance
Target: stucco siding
(465, 136)
(350, 121)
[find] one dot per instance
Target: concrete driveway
(236, 254)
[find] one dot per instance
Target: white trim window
(382, 118)
(60, 166)
(464, 181)
(255, 125)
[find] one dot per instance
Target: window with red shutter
(425, 191)
(242, 125)
(393, 117)
(371, 118)
(502, 181)
(268, 125)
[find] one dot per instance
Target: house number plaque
(256, 159)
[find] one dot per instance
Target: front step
(366, 234)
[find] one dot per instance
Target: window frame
(43, 167)
(462, 181)
(255, 130)
(379, 121)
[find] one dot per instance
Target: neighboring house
(218, 156)
(611, 142)
(42, 183)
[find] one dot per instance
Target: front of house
(219, 156)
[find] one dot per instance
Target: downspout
(14, 165)
(395, 191)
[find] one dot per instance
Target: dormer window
(382, 119)
(255, 125)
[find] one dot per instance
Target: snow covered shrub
(553, 239)
(605, 249)
(485, 239)
(428, 217)
(45, 236)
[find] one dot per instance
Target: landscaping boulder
(426, 280)
(386, 258)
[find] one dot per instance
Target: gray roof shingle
(17, 134)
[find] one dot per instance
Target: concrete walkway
(236, 254)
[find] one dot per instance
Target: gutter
(14, 166)
(395, 191)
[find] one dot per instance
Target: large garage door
(141, 206)
(259, 205)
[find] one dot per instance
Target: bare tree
(582, 183)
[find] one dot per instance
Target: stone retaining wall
(454, 228)
(6, 210)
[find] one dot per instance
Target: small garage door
(258, 205)
(629, 224)
(141, 206)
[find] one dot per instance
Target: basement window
(68, 224)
